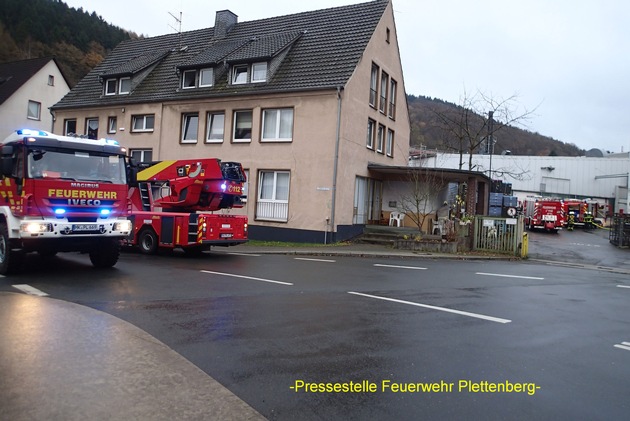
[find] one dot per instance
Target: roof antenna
(179, 29)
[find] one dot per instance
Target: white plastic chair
(397, 218)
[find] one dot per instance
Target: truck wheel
(10, 260)
(106, 254)
(148, 241)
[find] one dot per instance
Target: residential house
(28, 88)
(305, 102)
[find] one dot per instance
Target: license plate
(88, 227)
(227, 235)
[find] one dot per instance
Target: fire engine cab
(60, 194)
(173, 205)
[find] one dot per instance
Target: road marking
(246, 277)
(623, 286)
(399, 267)
(315, 260)
(448, 310)
(244, 254)
(30, 290)
(509, 276)
(623, 345)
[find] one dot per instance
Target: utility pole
(490, 140)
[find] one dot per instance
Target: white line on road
(30, 290)
(623, 345)
(244, 254)
(623, 286)
(399, 267)
(315, 260)
(448, 310)
(509, 276)
(246, 277)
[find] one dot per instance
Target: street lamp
(490, 140)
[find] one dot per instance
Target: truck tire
(10, 260)
(148, 241)
(106, 254)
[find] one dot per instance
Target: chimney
(224, 22)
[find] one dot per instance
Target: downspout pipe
(335, 165)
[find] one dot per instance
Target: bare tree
(476, 120)
(421, 200)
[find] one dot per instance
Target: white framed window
(125, 85)
(382, 107)
(242, 126)
(374, 85)
(190, 126)
(389, 146)
(277, 125)
(371, 129)
(91, 128)
(112, 125)
(110, 86)
(142, 123)
(51, 80)
(70, 126)
(33, 111)
(259, 72)
(215, 127)
(206, 77)
(240, 74)
(392, 99)
(141, 155)
(380, 138)
(273, 196)
(189, 79)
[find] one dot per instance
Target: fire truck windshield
(76, 165)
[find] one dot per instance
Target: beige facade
(323, 122)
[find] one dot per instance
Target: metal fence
(500, 235)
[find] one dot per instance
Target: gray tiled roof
(136, 64)
(325, 47)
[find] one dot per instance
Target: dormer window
(197, 78)
(239, 74)
(110, 86)
(206, 77)
(259, 72)
(125, 85)
(120, 86)
(189, 79)
(245, 73)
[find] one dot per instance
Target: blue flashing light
(105, 212)
(30, 132)
(60, 211)
(223, 186)
(112, 142)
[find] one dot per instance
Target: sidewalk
(359, 250)
(64, 361)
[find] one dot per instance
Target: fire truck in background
(580, 208)
(61, 194)
(543, 213)
(172, 204)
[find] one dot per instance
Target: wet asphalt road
(261, 324)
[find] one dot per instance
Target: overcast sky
(567, 59)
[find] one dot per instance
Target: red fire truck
(173, 202)
(61, 194)
(542, 213)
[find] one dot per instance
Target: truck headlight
(35, 227)
(122, 226)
